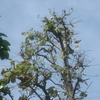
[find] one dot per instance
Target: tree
(4, 48)
(51, 63)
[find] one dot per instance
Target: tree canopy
(52, 66)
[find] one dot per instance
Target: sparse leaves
(83, 94)
(49, 56)
(52, 92)
(78, 41)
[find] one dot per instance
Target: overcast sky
(18, 16)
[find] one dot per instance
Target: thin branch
(46, 58)
(44, 90)
(55, 38)
(11, 96)
(75, 18)
(88, 86)
(60, 85)
(48, 51)
(36, 93)
(70, 12)
(75, 87)
(26, 81)
(54, 44)
(42, 49)
(59, 97)
(73, 23)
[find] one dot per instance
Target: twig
(55, 45)
(60, 85)
(36, 93)
(88, 86)
(46, 58)
(11, 96)
(75, 87)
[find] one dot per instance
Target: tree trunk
(68, 84)
(67, 74)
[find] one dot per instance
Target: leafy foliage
(50, 63)
(4, 47)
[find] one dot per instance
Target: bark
(67, 75)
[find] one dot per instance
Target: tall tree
(52, 63)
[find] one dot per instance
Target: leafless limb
(46, 58)
(60, 85)
(75, 87)
(11, 96)
(54, 44)
(73, 23)
(36, 93)
(44, 90)
(88, 86)
(42, 49)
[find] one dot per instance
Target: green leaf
(13, 80)
(30, 36)
(58, 68)
(6, 90)
(4, 54)
(23, 33)
(2, 34)
(78, 41)
(71, 51)
(52, 92)
(80, 70)
(46, 28)
(45, 20)
(33, 68)
(5, 43)
(7, 74)
(48, 76)
(4, 49)
(83, 94)
(42, 43)
(55, 58)
(56, 29)
(2, 83)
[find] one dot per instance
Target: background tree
(51, 62)
(4, 54)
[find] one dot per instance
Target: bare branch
(42, 49)
(36, 93)
(11, 96)
(60, 85)
(73, 23)
(88, 86)
(46, 58)
(54, 44)
(44, 90)
(75, 87)
(59, 97)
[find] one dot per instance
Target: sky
(18, 16)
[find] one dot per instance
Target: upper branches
(47, 55)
